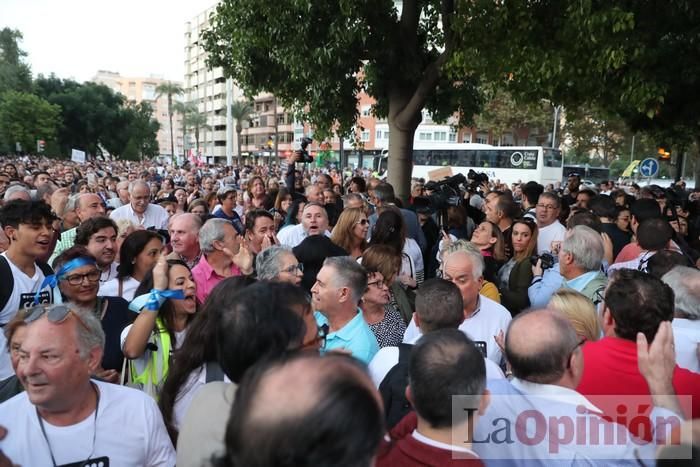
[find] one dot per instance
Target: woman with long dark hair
(166, 300)
(137, 257)
(515, 276)
(390, 229)
(196, 359)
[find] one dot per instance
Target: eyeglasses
(293, 268)
(362, 222)
(77, 279)
(323, 334)
(378, 284)
(568, 360)
(56, 314)
(549, 207)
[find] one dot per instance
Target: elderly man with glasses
(67, 418)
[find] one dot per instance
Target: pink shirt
(206, 278)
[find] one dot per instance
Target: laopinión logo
(566, 427)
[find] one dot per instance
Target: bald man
(545, 356)
(332, 416)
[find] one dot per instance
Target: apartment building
(144, 89)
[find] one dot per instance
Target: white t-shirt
(195, 381)
(130, 431)
(293, 235)
(22, 297)
(415, 266)
(388, 357)
(554, 232)
(111, 288)
(686, 337)
(482, 326)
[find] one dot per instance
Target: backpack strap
(7, 281)
(214, 372)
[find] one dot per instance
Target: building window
(425, 136)
(452, 136)
(482, 138)
(467, 138)
(365, 110)
(440, 136)
(364, 137)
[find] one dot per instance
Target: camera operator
(578, 265)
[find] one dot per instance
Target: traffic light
(664, 155)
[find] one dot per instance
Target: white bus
(509, 164)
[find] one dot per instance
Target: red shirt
(407, 451)
(610, 369)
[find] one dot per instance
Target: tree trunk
(170, 115)
(400, 163)
(239, 129)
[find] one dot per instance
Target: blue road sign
(649, 167)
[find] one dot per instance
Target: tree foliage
(637, 60)
(502, 114)
(316, 57)
(95, 117)
(26, 118)
(15, 75)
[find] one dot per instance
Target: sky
(76, 38)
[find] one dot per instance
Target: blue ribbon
(153, 300)
(52, 280)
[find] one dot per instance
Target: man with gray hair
(122, 196)
(278, 264)
(140, 211)
(685, 283)
(223, 255)
(66, 418)
(87, 206)
(483, 318)
(580, 262)
(339, 286)
(17, 192)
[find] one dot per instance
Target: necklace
(94, 430)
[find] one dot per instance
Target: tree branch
(427, 84)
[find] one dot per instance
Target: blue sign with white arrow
(649, 167)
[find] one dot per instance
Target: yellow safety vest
(156, 370)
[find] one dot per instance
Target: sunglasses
(362, 222)
(56, 314)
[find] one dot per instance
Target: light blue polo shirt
(355, 336)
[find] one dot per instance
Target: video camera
(548, 260)
(476, 179)
(446, 192)
(304, 155)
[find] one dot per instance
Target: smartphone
(481, 347)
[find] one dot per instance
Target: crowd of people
(284, 315)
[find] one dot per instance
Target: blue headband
(52, 280)
(153, 300)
